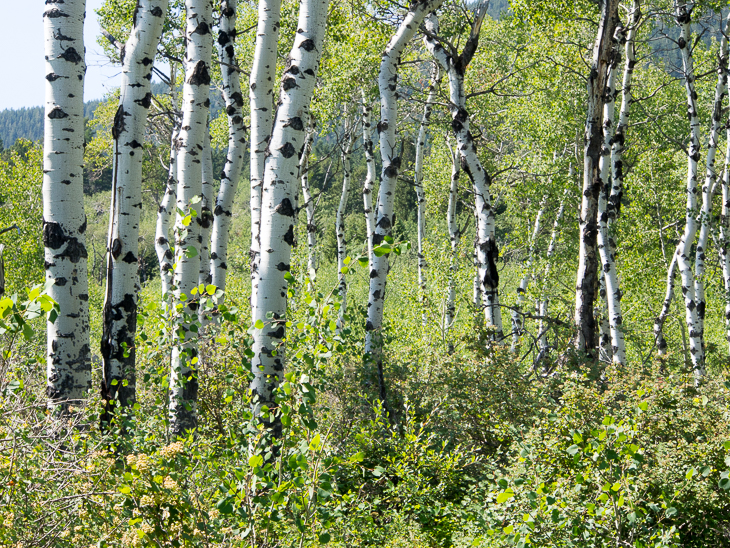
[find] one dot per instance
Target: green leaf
(505, 496)
(324, 538)
(259, 324)
(671, 511)
(573, 450)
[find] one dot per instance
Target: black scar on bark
(377, 239)
(287, 151)
(83, 226)
(285, 208)
(307, 45)
(129, 258)
(65, 182)
(116, 248)
(119, 125)
(369, 326)
(376, 295)
(58, 35)
(289, 83)
(237, 98)
(200, 75)
(373, 274)
(278, 333)
(54, 13)
(53, 236)
(72, 56)
(168, 254)
(74, 251)
(57, 113)
(231, 53)
(293, 70)
(289, 236)
(146, 101)
(223, 38)
(52, 77)
(384, 222)
(134, 144)
(207, 103)
(295, 123)
(60, 282)
(491, 276)
(157, 11)
(202, 29)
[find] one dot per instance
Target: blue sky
(21, 63)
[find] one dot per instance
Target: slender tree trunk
(340, 227)
(122, 283)
(454, 239)
(312, 259)
(196, 99)
(724, 245)
(684, 19)
(659, 340)
(588, 260)
(708, 191)
(206, 214)
(544, 300)
(278, 206)
(486, 242)
(388, 84)
(614, 348)
(68, 360)
(420, 194)
(518, 323)
(367, 188)
(222, 213)
(261, 98)
(169, 200)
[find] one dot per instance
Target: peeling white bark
(68, 359)
(278, 204)
(222, 212)
(420, 194)
(487, 252)
(193, 134)
(261, 98)
(517, 317)
(388, 84)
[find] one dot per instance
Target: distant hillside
(27, 123)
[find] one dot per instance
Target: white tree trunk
(454, 239)
(222, 212)
(193, 134)
(486, 242)
(261, 98)
(614, 348)
(388, 126)
(420, 194)
(122, 283)
(340, 221)
(708, 190)
(684, 18)
(367, 188)
(206, 213)
(724, 245)
(587, 277)
(169, 200)
(659, 340)
(312, 259)
(278, 205)
(518, 323)
(544, 300)
(68, 359)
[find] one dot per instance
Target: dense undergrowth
(479, 449)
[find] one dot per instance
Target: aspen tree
(261, 99)
(312, 260)
(68, 360)
(588, 261)
(193, 133)
(278, 206)
(122, 283)
(222, 211)
(724, 243)
(383, 214)
(340, 219)
(367, 187)
(454, 238)
(206, 213)
(487, 252)
(420, 194)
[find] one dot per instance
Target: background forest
(515, 143)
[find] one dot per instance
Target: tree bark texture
(454, 239)
(206, 213)
(487, 252)
(340, 219)
(724, 229)
(367, 188)
(588, 261)
(278, 204)
(68, 359)
(261, 99)
(309, 205)
(420, 194)
(222, 211)
(193, 135)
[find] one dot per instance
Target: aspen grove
(443, 274)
